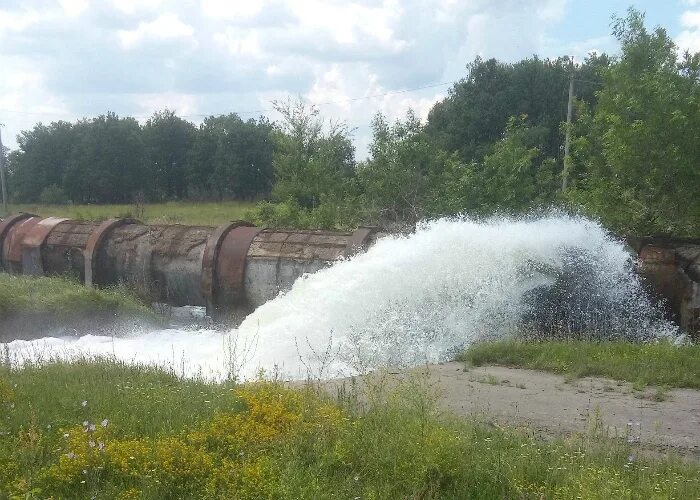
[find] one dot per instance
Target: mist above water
(410, 300)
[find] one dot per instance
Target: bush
(53, 195)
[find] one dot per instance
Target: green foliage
(638, 159)
(168, 138)
(493, 145)
(231, 158)
(142, 433)
(660, 363)
(115, 160)
(41, 160)
(30, 305)
(52, 195)
(475, 113)
(311, 165)
(513, 176)
(314, 171)
(403, 172)
(107, 163)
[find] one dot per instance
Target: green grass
(34, 303)
(173, 438)
(661, 364)
(193, 213)
(139, 401)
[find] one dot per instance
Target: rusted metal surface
(62, 252)
(359, 240)
(12, 246)
(5, 226)
(162, 262)
(93, 245)
(672, 271)
(288, 244)
(209, 260)
(230, 268)
(34, 238)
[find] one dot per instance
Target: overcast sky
(68, 59)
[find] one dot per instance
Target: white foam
(406, 301)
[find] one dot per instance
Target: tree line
(492, 146)
(110, 159)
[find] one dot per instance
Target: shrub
(53, 195)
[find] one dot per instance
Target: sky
(67, 59)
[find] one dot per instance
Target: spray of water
(414, 299)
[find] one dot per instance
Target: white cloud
(240, 42)
(133, 6)
(689, 38)
(74, 7)
(350, 23)
(232, 10)
(17, 21)
(216, 56)
(690, 19)
(165, 27)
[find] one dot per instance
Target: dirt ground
(552, 406)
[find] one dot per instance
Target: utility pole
(2, 175)
(567, 140)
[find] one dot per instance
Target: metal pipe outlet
(230, 269)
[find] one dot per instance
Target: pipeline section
(236, 267)
(230, 269)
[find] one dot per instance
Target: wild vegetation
(105, 430)
(33, 306)
(171, 212)
(493, 145)
(661, 364)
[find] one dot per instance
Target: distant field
(205, 213)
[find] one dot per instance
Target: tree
(108, 162)
(243, 160)
(475, 113)
(404, 166)
(231, 158)
(311, 165)
(41, 159)
(641, 171)
(513, 177)
(167, 140)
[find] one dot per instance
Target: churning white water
(410, 300)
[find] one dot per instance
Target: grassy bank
(31, 305)
(194, 213)
(660, 364)
(104, 430)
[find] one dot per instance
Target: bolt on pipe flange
(5, 227)
(94, 243)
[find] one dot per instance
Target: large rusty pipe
(230, 269)
(236, 267)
